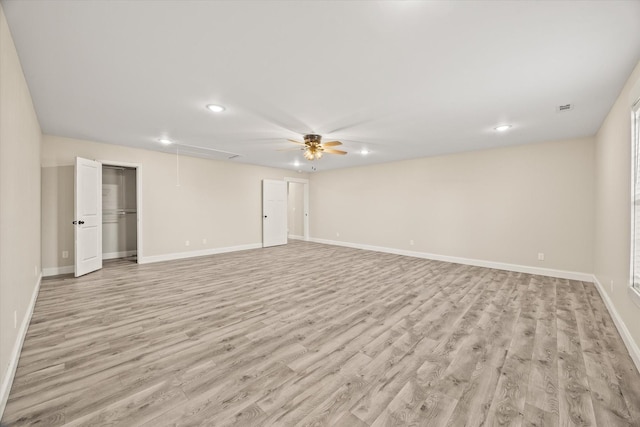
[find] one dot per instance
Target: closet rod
(116, 167)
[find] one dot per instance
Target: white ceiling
(403, 79)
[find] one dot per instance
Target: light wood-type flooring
(311, 334)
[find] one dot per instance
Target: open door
(274, 213)
(88, 216)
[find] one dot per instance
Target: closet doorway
(120, 211)
(297, 208)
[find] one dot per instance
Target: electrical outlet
(15, 319)
(411, 242)
(337, 234)
(540, 256)
(65, 254)
(204, 241)
(186, 243)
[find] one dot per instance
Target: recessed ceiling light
(296, 163)
(165, 141)
(502, 128)
(215, 108)
(364, 151)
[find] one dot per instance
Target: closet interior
(119, 213)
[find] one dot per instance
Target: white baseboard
(632, 346)
(295, 237)
(56, 271)
(192, 254)
(5, 387)
(67, 269)
(572, 275)
(114, 255)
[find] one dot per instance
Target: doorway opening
(295, 211)
(297, 208)
(119, 212)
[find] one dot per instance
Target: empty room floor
(311, 334)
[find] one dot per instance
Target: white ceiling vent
(565, 107)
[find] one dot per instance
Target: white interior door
(274, 213)
(88, 216)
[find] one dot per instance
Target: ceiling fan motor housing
(312, 138)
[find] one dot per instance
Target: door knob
(80, 222)
(265, 216)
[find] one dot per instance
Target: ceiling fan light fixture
(215, 108)
(314, 149)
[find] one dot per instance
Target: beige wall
(217, 201)
(503, 205)
(19, 198)
(295, 208)
(613, 207)
(57, 214)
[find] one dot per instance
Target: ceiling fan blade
(331, 143)
(331, 151)
(296, 142)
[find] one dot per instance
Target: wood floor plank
(608, 402)
(575, 403)
(536, 417)
(249, 338)
(415, 405)
(474, 402)
(387, 381)
(623, 367)
(136, 408)
(542, 391)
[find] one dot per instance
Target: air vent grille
(565, 107)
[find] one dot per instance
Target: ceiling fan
(313, 148)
